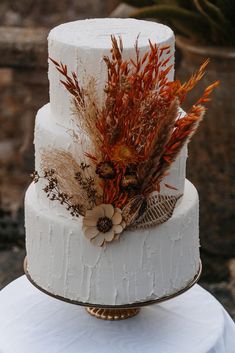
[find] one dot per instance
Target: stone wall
(24, 86)
(51, 12)
(23, 89)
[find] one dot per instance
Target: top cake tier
(81, 45)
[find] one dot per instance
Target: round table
(33, 322)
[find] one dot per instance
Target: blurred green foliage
(210, 22)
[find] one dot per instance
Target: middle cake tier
(50, 135)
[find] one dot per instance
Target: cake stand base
(112, 314)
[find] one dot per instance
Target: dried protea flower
(124, 154)
(130, 182)
(103, 224)
(106, 170)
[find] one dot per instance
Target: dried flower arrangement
(136, 135)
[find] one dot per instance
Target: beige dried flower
(103, 223)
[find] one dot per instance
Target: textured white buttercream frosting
(81, 46)
(142, 265)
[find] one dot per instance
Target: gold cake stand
(117, 312)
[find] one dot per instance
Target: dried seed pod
(130, 182)
(134, 209)
(106, 170)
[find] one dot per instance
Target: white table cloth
(32, 322)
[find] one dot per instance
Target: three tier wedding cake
(110, 218)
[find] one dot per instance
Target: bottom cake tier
(143, 265)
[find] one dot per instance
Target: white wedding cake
(106, 260)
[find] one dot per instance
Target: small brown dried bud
(130, 182)
(35, 176)
(106, 170)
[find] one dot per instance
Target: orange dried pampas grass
(74, 180)
(138, 128)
